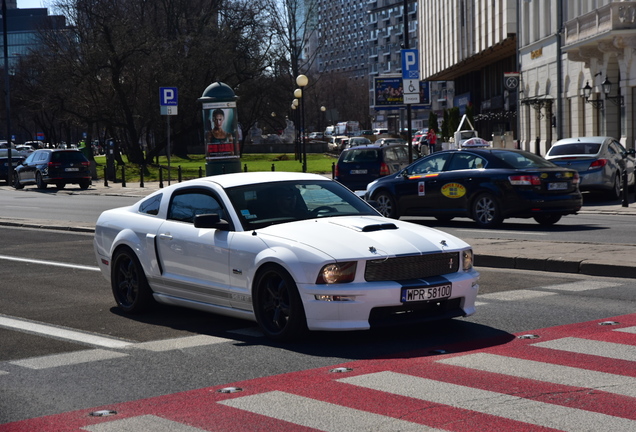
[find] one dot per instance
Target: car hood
(359, 237)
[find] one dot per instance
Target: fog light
(330, 298)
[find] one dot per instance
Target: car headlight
(468, 259)
(337, 273)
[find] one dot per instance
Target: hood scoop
(379, 227)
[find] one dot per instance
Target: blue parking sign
(168, 96)
(410, 64)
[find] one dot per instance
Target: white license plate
(558, 186)
(426, 293)
(358, 171)
(71, 169)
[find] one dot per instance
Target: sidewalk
(612, 260)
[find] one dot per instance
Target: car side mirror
(212, 220)
(631, 152)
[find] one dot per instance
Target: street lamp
(587, 92)
(297, 155)
(607, 88)
(302, 81)
(322, 111)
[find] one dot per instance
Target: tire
(16, 182)
(277, 304)
(547, 219)
(386, 205)
(84, 184)
(486, 211)
(60, 185)
(129, 284)
(616, 188)
(39, 181)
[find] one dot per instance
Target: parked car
(487, 185)
(53, 166)
(5, 166)
(600, 161)
(387, 141)
(316, 135)
(355, 141)
(359, 166)
(291, 251)
(380, 131)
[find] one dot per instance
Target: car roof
(240, 179)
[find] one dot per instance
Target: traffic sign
(168, 96)
(511, 80)
(411, 98)
(410, 64)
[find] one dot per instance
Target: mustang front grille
(411, 267)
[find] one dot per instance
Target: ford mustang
(293, 252)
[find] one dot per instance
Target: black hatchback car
(53, 166)
(487, 185)
(359, 166)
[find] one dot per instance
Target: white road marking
(61, 333)
(179, 343)
(66, 359)
(627, 329)
(515, 295)
(319, 415)
(582, 285)
(51, 263)
(141, 423)
(553, 373)
(585, 346)
(492, 403)
(501, 232)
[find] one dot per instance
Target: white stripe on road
(51, 263)
(67, 359)
(515, 295)
(61, 333)
(319, 415)
(598, 348)
(492, 403)
(141, 423)
(627, 329)
(481, 231)
(582, 285)
(180, 343)
(556, 374)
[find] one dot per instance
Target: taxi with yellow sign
(487, 185)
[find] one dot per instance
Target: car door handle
(165, 236)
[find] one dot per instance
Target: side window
(463, 161)
(432, 164)
(401, 154)
(30, 158)
(151, 205)
(185, 206)
(389, 155)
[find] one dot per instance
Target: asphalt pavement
(613, 260)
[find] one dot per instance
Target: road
(65, 352)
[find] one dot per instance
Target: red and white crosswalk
(579, 377)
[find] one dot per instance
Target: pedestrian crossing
(579, 377)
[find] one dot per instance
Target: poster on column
(219, 120)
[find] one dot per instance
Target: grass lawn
(194, 165)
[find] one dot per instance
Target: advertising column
(222, 153)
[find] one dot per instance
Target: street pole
(7, 93)
(408, 106)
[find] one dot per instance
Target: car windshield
(522, 160)
(575, 149)
(261, 205)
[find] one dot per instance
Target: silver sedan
(600, 161)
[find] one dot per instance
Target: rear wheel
(547, 219)
(16, 181)
(277, 304)
(129, 284)
(616, 188)
(60, 185)
(84, 184)
(386, 205)
(444, 218)
(486, 211)
(39, 181)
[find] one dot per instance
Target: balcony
(601, 24)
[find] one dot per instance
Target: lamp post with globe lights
(302, 81)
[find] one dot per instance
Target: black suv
(53, 166)
(359, 166)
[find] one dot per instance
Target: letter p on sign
(410, 64)
(168, 96)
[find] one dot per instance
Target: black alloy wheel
(39, 181)
(277, 304)
(129, 284)
(16, 181)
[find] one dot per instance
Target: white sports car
(289, 251)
